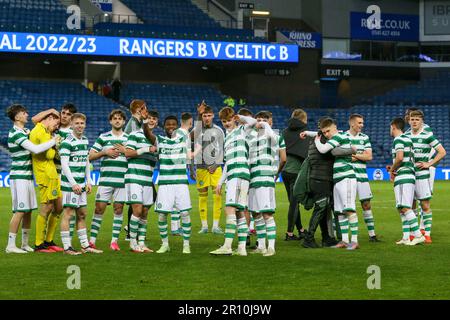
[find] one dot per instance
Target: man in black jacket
(296, 151)
(321, 187)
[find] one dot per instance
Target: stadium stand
(177, 19)
(177, 98)
(432, 90)
(33, 15)
(175, 32)
(181, 13)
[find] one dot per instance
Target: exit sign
(246, 5)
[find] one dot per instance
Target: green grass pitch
(420, 272)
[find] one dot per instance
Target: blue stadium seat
(36, 15)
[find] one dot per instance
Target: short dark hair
(13, 110)
(399, 123)
(117, 112)
(326, 122)
(263, 114)
(208, 109)
(153, 113)
(170, 117)
(71, 107)
(245, 112)
(355, 115)
(185, 116)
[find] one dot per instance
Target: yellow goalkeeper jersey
(44, 167)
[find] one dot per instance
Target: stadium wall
(340, 28)
(120, 9)
(34, 67)
(289, 9)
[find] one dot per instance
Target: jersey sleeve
(131, 142)
(65, 149)
(281, 143)
(434, 142)
(399, 145)
(20, 138)
(335, 141)
(367, 144)
(98, 145)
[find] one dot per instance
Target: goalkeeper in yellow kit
(47, 179)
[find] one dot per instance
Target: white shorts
(261, 200)
(422, 189)
(364, 191)
(23, 195)
(105, 194)
(237, 193)
(432, 175)
(173, 197)
(344, 195)
(404, 195)
(73, 200)
(137, 194)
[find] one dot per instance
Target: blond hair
(78, 116)
(299, 114)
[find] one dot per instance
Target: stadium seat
(36, 15)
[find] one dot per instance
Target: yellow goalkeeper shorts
(50, 191)
(206, 179)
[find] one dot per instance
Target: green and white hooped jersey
(63, 133)
(78, 152)
(237, 154)
(180, 132)
(172, 160)
(263, 150)
(140, 169)
(406, 171)
(21, 167)
(281, 144)
(423, 144)
(112, 171)
(362, 143)
(426, 128)
(342, 167)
